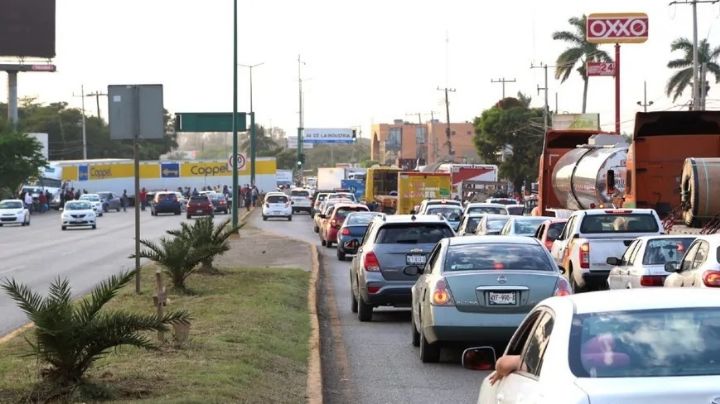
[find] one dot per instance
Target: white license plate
(502, 298)
(415, 259)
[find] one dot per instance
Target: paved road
(382, 365)
(38, 254)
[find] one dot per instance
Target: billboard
(617, 28)
(576, 121)
(27, 28)
(600, 69)
(327, 136)
(292, 143)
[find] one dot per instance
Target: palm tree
(581, 51)
(71, 336)
(202, 236)
(683, 78)
(265, 146)
(176, 256)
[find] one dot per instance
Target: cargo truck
(381, 187)
(414, 187)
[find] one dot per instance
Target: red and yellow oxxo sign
(617, 28)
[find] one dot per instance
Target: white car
(654, 345)
(12, 211)
(643, 264)
(699, 267)
(277, 204)
(482, 207)
(95, 201)
(522, 225)
(300, 200)
(78, 214)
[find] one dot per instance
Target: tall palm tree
(70, 336)
(683, 78)
(581, 51)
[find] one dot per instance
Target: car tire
(340, 254)
(573, 285)
(178, 212)
(94, 227)
(415, 333)
(105, 208)
(328, 244)
(316, 229)
(322, 242)
(289, 218)
(353, 300)
(64, 227)
(188, 216)
(264, 218)
(429, 353)
(365, 311)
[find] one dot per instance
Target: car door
(558, 249)
(693, 277)
(633, 263)
(616, 275)
(676, 279)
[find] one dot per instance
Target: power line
(448, 142)
(502, 81)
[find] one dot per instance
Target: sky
(363, 62)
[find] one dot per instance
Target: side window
(566, 230)
(539, 232)
(701, 255)
(638, 247)
(630, 250)
(432, 259)
(506, 228)
(521, 336)
(367, 235)
(689, 257)
(537, 343)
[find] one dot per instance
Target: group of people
(41, 204)
(249, 194)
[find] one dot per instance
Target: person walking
(143, 198)
(42, 202)
(124, 200)
(255, 195)
(28, 199)
(248, 200)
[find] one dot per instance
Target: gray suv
(379, 274)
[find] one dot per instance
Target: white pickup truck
(591, 236)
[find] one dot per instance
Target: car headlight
(19, 212)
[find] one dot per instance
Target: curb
(16, 332)
(314, 379)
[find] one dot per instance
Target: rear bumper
(341, 244)
(276, 213)
(596, 278)
(193, 211)
(396, 294)
(447, 323)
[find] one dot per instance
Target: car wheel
(178, 212)
(0, 224)
(28, 221)
(365, 310)
(105, 208)
(289, 218)
(328, 244)
(64, 227)
(188, 216)
(316, 229)
(429, 353)
(575, 287)
(340, 254)
(353, 300)
(265, 218)
(415, 333)
(94, 227)
(322, 243)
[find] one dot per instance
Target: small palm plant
(71, 336)
(176, 256)
(202, 236)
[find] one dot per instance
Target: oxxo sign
(617, 28)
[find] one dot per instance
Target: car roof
(485, 205)
(556, 220)
(674, 236)
(519, 218)
(441, 201)
(636, 299)
(11, 200)
(621, 210)
(492, 240)
(275, 193)
(410, 219)
(496, 216)
(348, 205)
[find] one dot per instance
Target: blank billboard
(27, 28)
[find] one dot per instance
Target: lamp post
(236, 194)
(252, 125)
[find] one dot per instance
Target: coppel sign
(617, 28)
(204, 169)
(327, 136)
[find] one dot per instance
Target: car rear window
(451, 213)
(360, 219)
(276, 199)
(554, 230)
(488, 209)
(516, 210)
(300, 193)
(472, 223)
(170, 197)
(661, 251)
(496, 256)
(11, 205)
(646, 343)
(496, 224)
(619, 223)
(527, 226)
(341, 213)
(413, 233)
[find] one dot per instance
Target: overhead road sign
(209, 122)
(617, 28)
(333, 135)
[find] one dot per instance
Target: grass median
(248, 343)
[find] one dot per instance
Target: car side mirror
(672, 266)
(576, 235)
(412, 271)
(479, 358)
(412, 212)
(323, 216)
(613, 261)
(561, 269)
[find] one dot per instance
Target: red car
(332, 222)
(199, 206)
(549, 230)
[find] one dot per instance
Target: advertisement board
(327, 135)
(576, 121)
(600, 69)
(27, 28)
(617, 28)
(292, 143)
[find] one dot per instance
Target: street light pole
(236, 194)
(253, 135)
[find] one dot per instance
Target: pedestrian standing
(255, 195)
(143, 198)
(248, 200)
(42, 201)
(28, 201)
(124, 200)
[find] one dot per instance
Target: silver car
(522, 225)
(699, 267)
(491, 225)
(480, 289)
(469, 224)
(392, 244)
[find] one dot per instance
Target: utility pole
(84, 133)
(545, 89)
(97, 95)
(448, 133)
(645, 103)
(703, 86)
(253, 135)
(236, 194)
(300, 123)
(502, 81)
(696, 101)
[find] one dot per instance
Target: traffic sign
(209, 122)
(241, 160)
(170, 170)
(617, 28)
(600, 69)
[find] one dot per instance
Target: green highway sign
(209, 122)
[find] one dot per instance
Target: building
(405, 144)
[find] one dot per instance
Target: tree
(683, 78)
(265, 146)
(580, 52)
(20, 158)
(71, 336)
(202, 236)
(510, 134)
(176, 256)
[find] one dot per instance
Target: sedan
(199, 205)
(220, 203)
(656, 346)
(699, 267)
(110, 201)
(643, 263)
(491, 225)
(451, 213)
(479, 289)
(13, 211)
(352, 232)
(522, 225)
(78, 214)
(95, 201)
(469, 224)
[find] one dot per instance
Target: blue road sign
(169, 170)
(83, 172)
(357, 187)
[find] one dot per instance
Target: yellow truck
(414, 187)
(381, 187)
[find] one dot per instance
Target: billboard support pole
(12, 98)
(136, 170)
(236, 194)
(617, 88)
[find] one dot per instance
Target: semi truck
(414, 187)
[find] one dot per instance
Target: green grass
(248, 344)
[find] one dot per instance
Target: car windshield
(11, 205)
(88, 197)
(451, 213)
(472, 223)
(342, 212)
(276, 199)
(503, 201)
(494, 210)
(516, 210)
(496, 256)
(77, 206)
(300, 193)
(554, 230)
(527, 226)
(661, 251)
(413, 233)
(619, 223)
(497, 224)
(360, 219)
(646, 343)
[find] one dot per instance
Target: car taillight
(441, 295)
(585, 255)
(711, 278)
(345, 232)
(371, 262)
(652, 280)
(562, 288)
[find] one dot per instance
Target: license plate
(415, 259)
(502, 298)
(352, 244)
